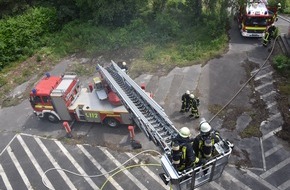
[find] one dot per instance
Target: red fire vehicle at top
(254, 16)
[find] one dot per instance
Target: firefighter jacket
(203, 145)
(183, 155)
(194, 102)
(185, 100)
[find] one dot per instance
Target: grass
(251, 131)
(163, 43)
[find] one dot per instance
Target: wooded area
(64, 26)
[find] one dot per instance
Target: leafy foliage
(282, 63)
(21, 35)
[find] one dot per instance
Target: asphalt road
(263, 162)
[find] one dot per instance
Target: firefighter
(271, 33)
(185, 102)
(193, 104)
(183, 156)
(203, 144)
(123, 66)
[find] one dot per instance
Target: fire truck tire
(51, 118)
(111, 122)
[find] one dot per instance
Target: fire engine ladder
(153, 121)
(146, 113)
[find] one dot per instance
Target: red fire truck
(115, 98)
(254, 16)
(58, 98)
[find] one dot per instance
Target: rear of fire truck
(254, 17)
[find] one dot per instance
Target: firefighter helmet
(184, 132)
(191, 96)
(187, 92)
(124, 63)
(205, 127)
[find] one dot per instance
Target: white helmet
(204, 126)
(187, 92)
(191, 96)
(124, 63)
(184, 132)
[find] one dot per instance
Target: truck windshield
(256, 21)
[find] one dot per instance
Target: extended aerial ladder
(153, 121)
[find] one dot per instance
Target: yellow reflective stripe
(255, 28)
(183, 153)
(113, 116)
(42, 106)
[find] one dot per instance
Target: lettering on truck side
(91, 115)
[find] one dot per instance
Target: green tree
(114, 12)
(195, 6)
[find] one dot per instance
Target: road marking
(55, 164)
(240, 184)
(76, 165)
(130, 176)
(99, 167)
(268, 94)
(33, 160)
(272, 150)
(275, 168)
(271, 105)
(8, 144)
(19, 168)
(264, 85)
(284, 185)
(153, 175)
(277, 115)
(5, 178)
(215, 185)
(261, 68)
(263, 76)
(260, 180)
(263, 154)
(272, 133)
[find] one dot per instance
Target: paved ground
(263, 162)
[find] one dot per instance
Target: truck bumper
(252, 35)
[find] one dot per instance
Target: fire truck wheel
(112, 122)
(52, 118)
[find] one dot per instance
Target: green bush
(20, 36)
(281, 63)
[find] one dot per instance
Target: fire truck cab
(255, 16)
(58, 98)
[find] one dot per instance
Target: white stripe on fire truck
(94, 161)
(5, 179)
(19, 168)
(33, 160)
(55, 164)
(76, 165)
(130, 176)
(146, 169)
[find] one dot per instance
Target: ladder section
(146, 113)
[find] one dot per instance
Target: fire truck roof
(257, 9)
(47, 84)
